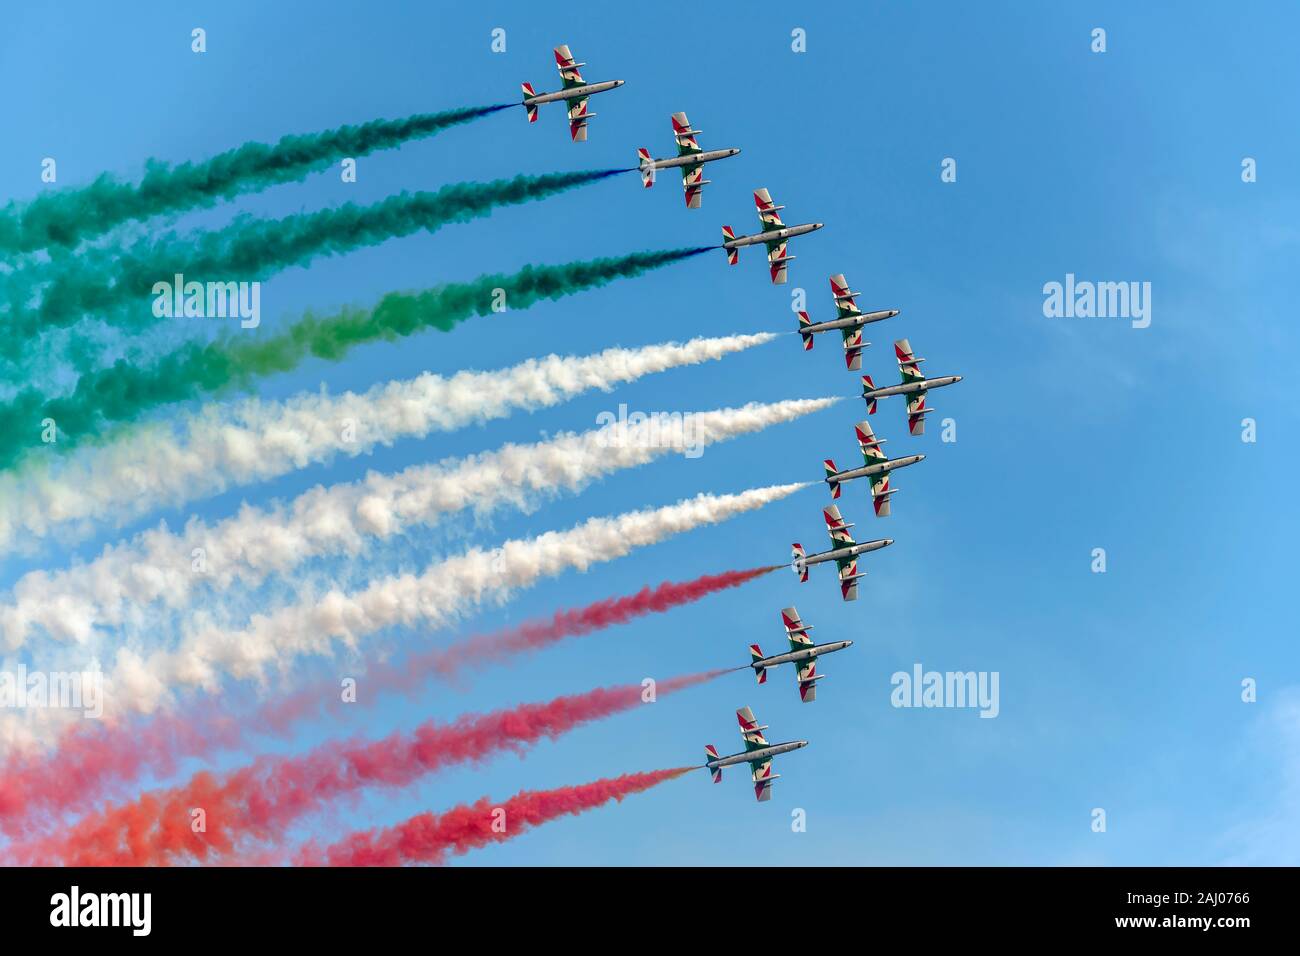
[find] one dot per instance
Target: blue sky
(1118, 690)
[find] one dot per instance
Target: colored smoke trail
(438, 596)
(89, 764)
(431, 838)
(129, 578)
(255, 803)
(124, 391)
(67, 217)
(115, 285)
(229, 444)
(413, 671)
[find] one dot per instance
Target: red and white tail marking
(869, 386)
(806, 336)
(646, 163)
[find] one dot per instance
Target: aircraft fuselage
(842, 554)
(817, 650)
(907, 388)
(774, 235)
(692, 159)
(869, 470)
(572, 93)
(753, 755)
(850, 322)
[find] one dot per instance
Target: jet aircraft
(774, 236)
(758, 754)
(576, 90)
(690, 158)
(803, 654)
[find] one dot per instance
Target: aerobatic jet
(758, 754)
(576, 90)
(803, 654)
(914, 386)
(877, 468)
(849, 321)
(844, 554)
(689, 157)
(774, 236)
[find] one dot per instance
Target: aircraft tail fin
(797, 553)
(733, 255)
(869, 386)
(756, 655)
(711, 753)
(531, 107)
(831, 472)
(646, 165)
(804, 321)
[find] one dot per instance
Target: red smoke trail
(429, 838)
(410, 673)
(89, 764)
(256, 802)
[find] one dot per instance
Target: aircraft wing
(853, 346)
(751, 731)
(795, 629)
(776, 261)
(869, 444)
(916, 412)
(769, 214)
(568, 67)
(763, 779)
(909, 367)
(849, 579)
(693, 183)
(685, 136)
(880, 493)
(837, 527)
(845, 298)
(806, 674)
(578, 118)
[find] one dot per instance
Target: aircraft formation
(774, 234)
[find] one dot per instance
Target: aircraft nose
(818, 225)
(888, 542)
(893, 312)
(848, 643)
(735, 152)
(956, 378)
(920, 458)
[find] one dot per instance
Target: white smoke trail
(219, 447)
(437, 597)
(155, 566)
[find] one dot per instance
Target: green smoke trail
(68, 217)
(112, 286)
(124, 391)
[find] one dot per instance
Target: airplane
(849, 321)
(576, 90)
(844, 554)
(758, 754)
(690, 158)
(803, 654)
(914, 386)
(774, 236)
(877, 468)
